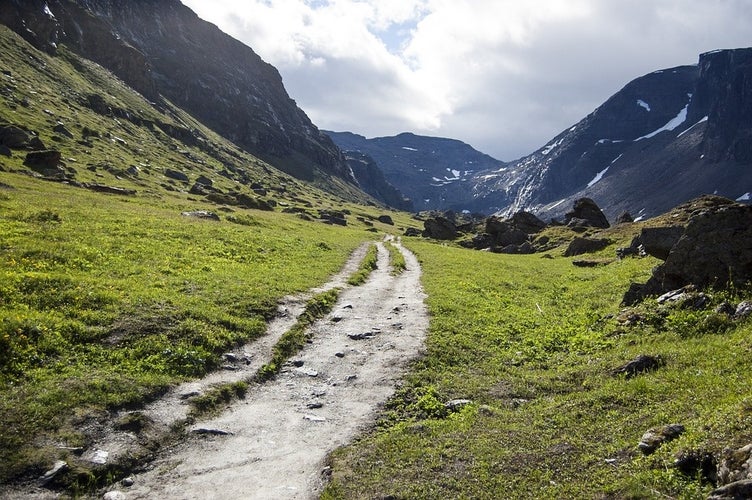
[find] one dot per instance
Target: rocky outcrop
(586, 213)
(440, 228)
(714, 250)
(161, 48)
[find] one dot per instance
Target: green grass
(106, 301)
(396, 259)
(532, 343)
(366, 267)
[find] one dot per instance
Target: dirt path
(272, 444)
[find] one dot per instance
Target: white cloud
(502, 75)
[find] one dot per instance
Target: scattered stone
(101, 188)
(591, 263)
(336, 319)
(579, 246)
(739, 490)
(350, 378)
(339, 354)
(314, 406)
(230, 356)
(114, 495)
(201, 214)
(176, 174)
(457, 404)
(189, 395)
(686, 298)
(743, 310)
(60, 129)
(298, 363)
(586, 213)
(385, 219)
(641, 364)
(308, 372)
(736, 465)
(99, 457)
(58, 468)
(314, 418)
(635, 249)
(725, 308)
(230, 368)
(655, 437)
(128, 482)
(361, 336)
(213, 432)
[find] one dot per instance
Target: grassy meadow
(106, 300)
(532, 342)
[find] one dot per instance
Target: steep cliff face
(161, 48)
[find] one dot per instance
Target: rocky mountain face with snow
(163, 50)
(435, 173)
(664, 138)
(371, 180)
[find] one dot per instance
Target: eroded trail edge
(273, 443)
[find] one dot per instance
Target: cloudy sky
(502, 75)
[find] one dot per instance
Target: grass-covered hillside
(533, 346)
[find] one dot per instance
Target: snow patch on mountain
(704, 119)
(671, 125)
(643, 104)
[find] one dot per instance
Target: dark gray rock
(101, 188)
(386, 219)
(5, 151)
(658, 241)
(176, 174)
(527, 222)
(440, 228)
(586, 213)
(57, 469)
(60, 129)
(580, 246)
(654, 438)
(624, 218)
(14, 137)
(743, 310)
(413, 231)
(202, 179)
(739, 490)
(714, 251)
(641, 364)
(700, 464)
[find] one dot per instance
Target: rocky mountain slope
(663, 139)
(435, 173)
(164, 51)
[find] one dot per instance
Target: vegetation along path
(274, 442)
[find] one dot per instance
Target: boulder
(385, 219)
(714, 251)
(439, 228)
(654, 438)
(579, 246)
(624, 218)
(641, 364)
(736, 465)
(586, 213)
(45, 162)
(176, 174)
(14, 137)
(658, 241)
(527, 222)
(60, 129)
(201, 214)
(739, 490)
(5, 151)
(412, 231)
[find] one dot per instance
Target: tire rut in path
(278, 437)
